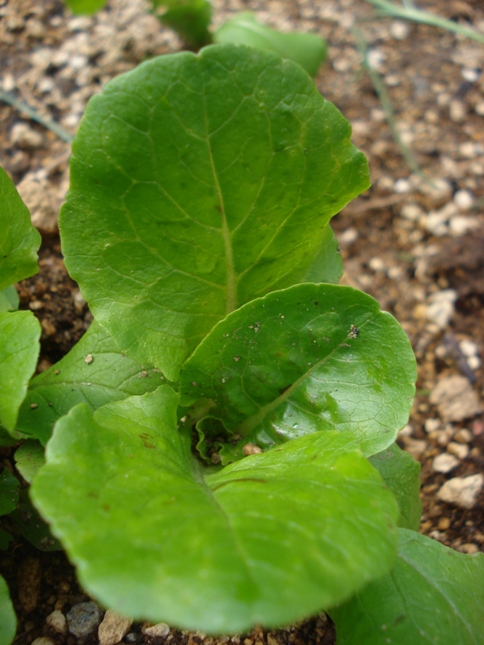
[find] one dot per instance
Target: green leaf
(19, 351)
(29, 458)
(109, 376)
(9, 490)
(269, 540)
(432, 596)
(9, 299)
(19, 240)
(327, 265)
(309, 358)
(85, 6)
(8, 620)
(189, 18)
(308, 50)
(5, 539)
(401, 473)
(197, 184)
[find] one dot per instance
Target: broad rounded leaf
(432, 596)
(19, 351)
(19, 240)
(8, 620)
(269, 540)
(309, 358)
(94, 372)
(197, 184)
(401, 473)
(308, 50)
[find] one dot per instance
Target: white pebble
(444, 463)
(462, 224)
(160, 629)
(348, 237)
(462, 491)
(468, 347)
(464, 200)
(411, 212)
(57, 621)
(471, 74)
(399, 30)
(457, 111)
(480, 108)
(460, 450)
(474, 362)
(402, 185)
(432, 425)
(375, 59)
(376, 264)
(441, 307)
(468, 150)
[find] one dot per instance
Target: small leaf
(109, 376)
(309, 358)
(19, 240)
(9, 491)
(401, 473)
(28, 523)
(269, 540)
(19, 351)
(308, 50)
(85, 6)
(433, 596)
(189, 18)
(212, 178)
(29, 458)
(8, 620)
(9, 299)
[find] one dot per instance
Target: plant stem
(35, 116)
(409, 12)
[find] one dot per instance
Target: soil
(415, 243)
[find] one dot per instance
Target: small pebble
(468, 548)
(377, 265)
(83, 618)
(402, 186)
(399, 30)
(464, 200)
(26, 137)
(431, 425)
(460, 450)
(455, 399)
(57, 621)
(43, 640)
(441, 307)
(457, 111)
(113, 628)
(461, 491)
(416, 447)
(474, 362)
(463, 436)
(444, 463)
(160, 629)
(412, 212)
(468, 347)
(444, 523)
(348, 237)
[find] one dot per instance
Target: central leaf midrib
(249, 424)
(231, 287)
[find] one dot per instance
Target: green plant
(191, 19)
(224, 432)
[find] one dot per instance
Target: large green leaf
(432, 596)
(19, 351)
(268, 540)
(401, 473)
(8, 620)
(19, 240)
(309, 358)
(189, 18)
(94, 372)
(197, 184)
(308, 50)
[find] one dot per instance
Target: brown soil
(403, 242)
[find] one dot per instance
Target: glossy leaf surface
(19, 350)
(401, 473)
(432, 596)
(19, 240)
(94, 372)
(269, 540)
(307, 50)
(309, 358)
(8, 620)
(197, 184)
